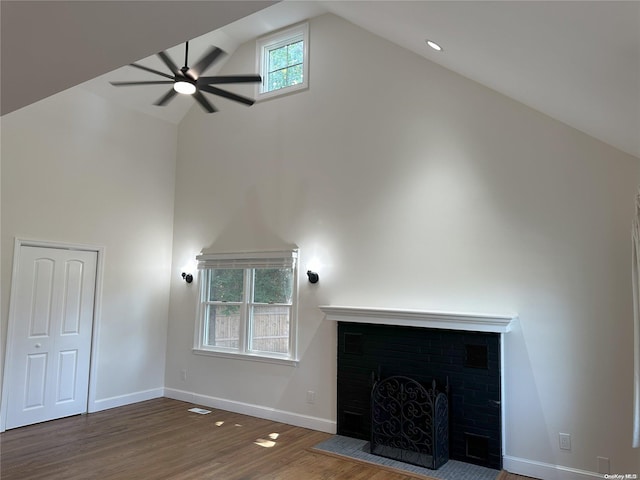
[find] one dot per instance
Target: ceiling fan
(188, 80)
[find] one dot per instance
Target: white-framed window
(283, 61)
(248, 305)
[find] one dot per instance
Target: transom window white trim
(247, 306)
(275, 43)
(269, 259)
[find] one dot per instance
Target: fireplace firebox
(468, 362)
(410, 422)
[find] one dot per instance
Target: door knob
(38, 345)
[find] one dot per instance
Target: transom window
(248, 304)
(283, 61)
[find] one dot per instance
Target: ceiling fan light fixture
(186, 88)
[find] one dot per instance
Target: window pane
(277, 80)
(270, 329)
(285, 66)
(295, 53)
(225, 285)
(294, 75)
(277, 58)
(223, 326)
(285, 77)
(272, 285)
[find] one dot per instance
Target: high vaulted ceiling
(576, 61)
(49, 46)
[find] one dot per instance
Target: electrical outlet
(183, 375)
(565, 441)
(603, 465)
(311, 396)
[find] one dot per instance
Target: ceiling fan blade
(230, 79)
(204, 103)
(168, 62)
(226, 94)
(161, 102)
(152, 82)
(206, 60)
(147, 69)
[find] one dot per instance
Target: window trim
(247, 356)
(247, 261)
(264, 44)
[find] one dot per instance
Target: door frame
(97, 309)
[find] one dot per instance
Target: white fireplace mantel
(417, 318)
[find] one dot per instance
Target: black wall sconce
(313, 276)
(187, 277)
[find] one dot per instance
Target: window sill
(247, 356)
(281, 92)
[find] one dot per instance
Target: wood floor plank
(159, 439)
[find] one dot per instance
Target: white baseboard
(121, 400)
(305, 421)
(545, 471)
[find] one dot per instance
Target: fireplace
(461, 351)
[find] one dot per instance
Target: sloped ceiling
(49, 46)
(228, 38)
(576, 61)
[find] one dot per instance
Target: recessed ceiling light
(434, 45)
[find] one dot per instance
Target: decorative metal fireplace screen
(410, 423)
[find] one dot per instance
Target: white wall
(417, 188)
(76, 169)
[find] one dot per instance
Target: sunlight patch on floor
(267, 443)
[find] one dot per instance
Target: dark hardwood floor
(160, 439)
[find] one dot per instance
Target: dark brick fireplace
(468, 362)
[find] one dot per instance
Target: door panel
(67, 376)
(35, 381)
(52, 320)
(40, 312)
(72, 298)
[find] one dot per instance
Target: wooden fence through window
(270, 332)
